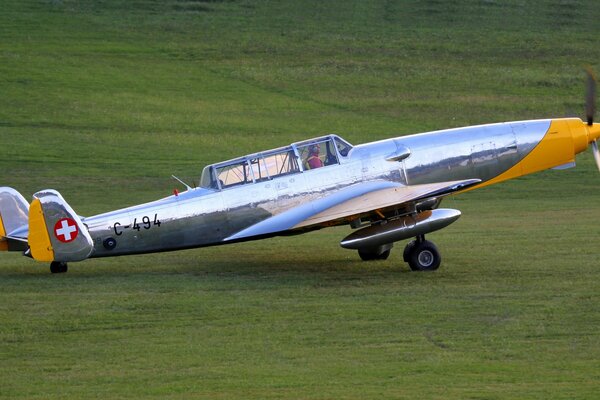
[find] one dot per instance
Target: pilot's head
(314, 149)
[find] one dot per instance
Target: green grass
(104, 100)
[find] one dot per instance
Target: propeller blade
(596, 153)
(590, 97)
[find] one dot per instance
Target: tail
(14, 212)
(56, 233)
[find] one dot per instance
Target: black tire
(366, 255)
(58, 267)
(55, 267)
(424, 257)
(408, 249)
(374, 254)
(384, 255)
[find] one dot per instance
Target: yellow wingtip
(39, 240)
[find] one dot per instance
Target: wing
(350, 202)
(385, 199)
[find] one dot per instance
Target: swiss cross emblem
(66, 230)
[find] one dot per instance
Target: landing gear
(422, 255)
(378, 253)
(58, 267)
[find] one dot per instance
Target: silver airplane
(387, 191)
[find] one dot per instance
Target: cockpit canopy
(267, 165)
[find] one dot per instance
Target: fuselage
(214, 214)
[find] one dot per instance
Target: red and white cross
(66, 230)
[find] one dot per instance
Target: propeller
(590, 96)
(590, 109)
(596, 153)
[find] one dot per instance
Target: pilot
(313, 161)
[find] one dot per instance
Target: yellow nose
(582, 134)
(593, 132)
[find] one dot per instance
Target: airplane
(386, 191)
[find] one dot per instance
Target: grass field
(104, 100)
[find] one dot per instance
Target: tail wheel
(58, 267)
(423, 256)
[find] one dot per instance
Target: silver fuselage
(204, 217)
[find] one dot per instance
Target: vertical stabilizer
(56, 233)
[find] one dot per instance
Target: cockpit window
(281, 163)
(259, 171)
(207, 180)
(317, 154)
(234, 174)
(343, 147)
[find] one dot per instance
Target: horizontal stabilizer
(14, 211)
(56, 233)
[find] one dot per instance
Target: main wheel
(384, 255)
(408, 249)
(379, 253)
(424, 256)
(58, 267)
(369, 256)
